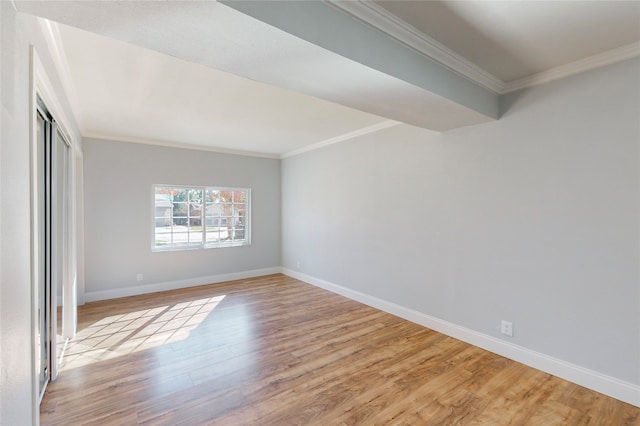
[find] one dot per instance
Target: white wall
(17, 372)
(118, 183)
(532, 219)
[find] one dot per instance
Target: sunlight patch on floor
(123, 334)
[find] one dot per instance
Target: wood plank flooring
(276, 351)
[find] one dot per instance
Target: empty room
(320, 212)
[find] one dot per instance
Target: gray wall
(531, 219)
(118, 180)
(17, 376)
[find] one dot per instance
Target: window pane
(213, 234)
(163, 236)
(195, 235)
(212, 195)
(180, 194)
(239, 196)
(195, 195)
(199, 217)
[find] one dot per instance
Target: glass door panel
(43, 337)
(59, 255)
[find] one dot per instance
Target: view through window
(200, 217)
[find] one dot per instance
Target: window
(200, 217)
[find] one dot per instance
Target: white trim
(593, 380)
(93, 296)
(385, 21)
(601, 59)
(45, 90)
(42, 87)
(51, 32)
(144, 141)
(340, 138)
(78, 220)
(35, 231)
(204, 245)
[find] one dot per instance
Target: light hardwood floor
(276, 351)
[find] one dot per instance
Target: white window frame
(203, 244)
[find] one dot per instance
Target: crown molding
(180, 145)
(599, 60)
(340, 138)
(379, 18)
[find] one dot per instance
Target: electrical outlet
(507, 328)
(139, 277)
(298, 264)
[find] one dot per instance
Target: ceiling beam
(331, 28)
(307, 47)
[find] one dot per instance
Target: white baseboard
(94, 296)
(593, 380)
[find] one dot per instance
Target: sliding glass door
(53, 242)
(43, 292)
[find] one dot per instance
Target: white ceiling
(516, 39)
(208, 86)
(124, 91)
